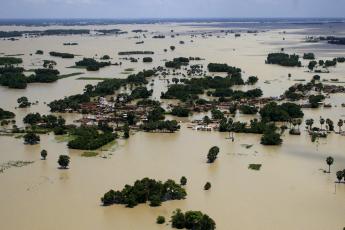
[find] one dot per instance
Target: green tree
(340, 176)
(178, 219)
(31, 138)
(64, 161)
(309, 123)
(44, 154)
(212, 154)
(322, 121)
(160, 220)
(183, 181)
(340, 124)
(206, 120)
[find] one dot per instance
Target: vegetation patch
(11, 164)
(145, 190)
(256, 167)
(89, 154)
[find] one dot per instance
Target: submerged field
(289, 190)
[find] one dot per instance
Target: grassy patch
(89, 154)
(64, 138)
(254, 167)
(70, 75)
(93, 78)
(108, 146)
(14, 55)
(19, 136)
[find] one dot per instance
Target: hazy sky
(170, 8)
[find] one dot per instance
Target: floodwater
(289, 192)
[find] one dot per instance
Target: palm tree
(322, 121)
(299, 122)
(294, 123)
(329, 161)
(340, 175)
(309, 122)
(340, 123)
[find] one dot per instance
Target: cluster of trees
(23, 102)
(182, 92)
(47, 121)
(4, 114)
(31, 138)
(180, 111)
(284, 112)
(283, 59)
(237, 94)
(252, 80)
(89, 138)
(106, 87)
(192, 220)
(13, 77)
(91, 64)
(145, 190)
(271, 137)
(147, 59)
(43, 76)
(248, 109)
(224, 68)
(315, 100)
(191, 88)
(268, 129)
(167, 126)
(176, 63)
(10, 61)
(141, 92)
(62, 55)
(309, 56)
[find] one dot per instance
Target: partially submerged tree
(44, 154)
(212, 154)
(64, 161)
(329, 161)
(31, 138)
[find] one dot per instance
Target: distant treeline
(50, 32)
(62, 55)
(135, 52)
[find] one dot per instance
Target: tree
(31, 138)
(178, 219)
(206, 120)
(322, 121)
(207, 186)
(309, 123)
(299, 122)
(192, 220)
(270, 137)
(329, 161)
(212, 154)
(64, 161)
(126, 131)
(44, 154)
(340, 176)
(23, 102)
(340, 124)
(160, 220)
(183, 181)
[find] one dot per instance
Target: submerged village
(174, 95)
